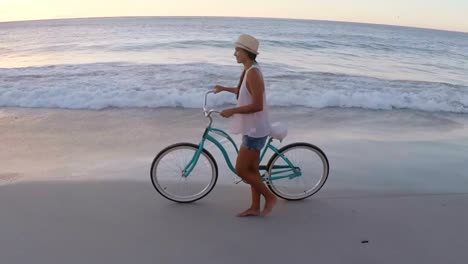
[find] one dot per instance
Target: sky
(438, 14)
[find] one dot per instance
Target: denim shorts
(252, 143)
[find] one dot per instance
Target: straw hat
(248, 43)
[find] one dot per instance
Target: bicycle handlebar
(205, 110)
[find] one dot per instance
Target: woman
(250, 118)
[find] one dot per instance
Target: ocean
(149, 62)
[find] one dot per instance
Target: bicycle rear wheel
(169, 166)
(298, 172)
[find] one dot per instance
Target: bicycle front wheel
(169, 166)
(298, 171)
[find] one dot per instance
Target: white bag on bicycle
(278, 131)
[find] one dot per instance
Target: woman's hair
(253, 57)
(240, 83)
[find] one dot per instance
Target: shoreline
(397, 149)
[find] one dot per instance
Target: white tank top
(255, 124)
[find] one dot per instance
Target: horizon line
(245, 17)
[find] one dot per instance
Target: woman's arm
(219, 88)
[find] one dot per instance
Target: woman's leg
(255, 199)
(247, 168)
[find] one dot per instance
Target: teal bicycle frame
(277, 170)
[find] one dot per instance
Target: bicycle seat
(278, 131)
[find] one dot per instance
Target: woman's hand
(218, 88)
(227, 112)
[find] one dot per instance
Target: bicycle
(186, 172)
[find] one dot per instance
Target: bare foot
(249, 212)
(269, 204)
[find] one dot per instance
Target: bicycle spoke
(312, 166)
(167, 173)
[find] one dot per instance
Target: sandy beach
(125, 222)
(75, 188)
